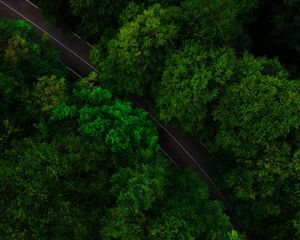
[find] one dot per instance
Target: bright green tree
(115, 123)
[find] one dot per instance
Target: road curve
(182, 150)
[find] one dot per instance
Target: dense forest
(225, 71)
(78, 163)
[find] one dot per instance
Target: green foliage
(89, 13)
(180, 218)
(142, 182)
(122, 128)
(10, 27)
(248, 109)
(52, 191)
(16, 50)
(136, 191)
(11, 99)
(48, 93)
(234, 235)
(296, 224)
(24, 58)
(213, 23)
(8, 92)
(120, 224)
(24, 55)
(192, 82)
(154, 205)
(137, 54)
(256, 122)
(68, 187)
(263, 107)
(131, 12)
(93, 170)
(134, 60)
(189, 58)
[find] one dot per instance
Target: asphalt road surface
(182, 150)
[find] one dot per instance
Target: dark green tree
(179, 216)
(90, 12)
(257, 122)
(192, 83)
(52, 190)
(263, 107)
(93, 169)
(136, 56)
(212, 23)
(153, 203)
(24, 54)
(24, 57)
(134, 59)
(137, 192)
(48, 93)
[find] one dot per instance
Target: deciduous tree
(262, 107)
(52, 190)
(136, 56)
(115, 123)
(192, 83)
(257, 122)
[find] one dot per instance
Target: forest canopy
(224, 71)
(78, 163)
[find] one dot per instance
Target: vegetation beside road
(78, 163)
(224, 71)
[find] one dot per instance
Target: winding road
(182, 150)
